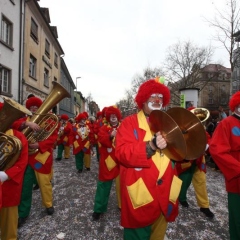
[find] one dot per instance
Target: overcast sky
(108, 42)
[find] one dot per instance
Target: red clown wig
(113, 110)
(80, 117)
(234, 101)
(33, 101)
(150, 87)
(64, 117)
(99, 114)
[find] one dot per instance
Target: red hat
(113, 110)
(99, 114)
(1, 105)
(33, 101)
(64, 117)
(86, 114)
(234, 101)
(150, 87)
(104, 111)
(80, 117)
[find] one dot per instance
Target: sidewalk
(74, 198)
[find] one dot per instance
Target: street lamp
(76, 81)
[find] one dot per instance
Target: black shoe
(58, 159)
(95, 216)
(50, 211)
(207, 212)
(184, 204)
(88, 169)
(80, 170)
(36, 187)
(21, 221)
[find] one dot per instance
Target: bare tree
(227, 22)
(183, 64)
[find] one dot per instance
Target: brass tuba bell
(202, 113)
(10, 146)
(48, 122)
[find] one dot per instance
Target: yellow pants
(66, 152)
(159, 228)
(200, 187)
(8, 223)
(46, 188)
(87, 160)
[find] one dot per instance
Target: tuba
(48, 122)
(10, 146)
(202, 113)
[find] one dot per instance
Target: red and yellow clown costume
(149, 186)
(97, 124)
(225, 151)
(194, 171)
(108, 165)
(64, 137)
(81, 143)
(39, 167)
(12, 188)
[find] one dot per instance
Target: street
(74, 198)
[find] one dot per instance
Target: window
(210, 100)
(34, 30)
(46, 77)
(32, 66)
(55, 79)
(6, 31)
(47, 48)
(5, 79)
(56, 60)
(210, 88)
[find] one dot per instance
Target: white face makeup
(113, 120)
(154, 102)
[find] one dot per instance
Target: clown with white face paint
(108, 165)
(81, 143)
(149, 182)
(225, 150)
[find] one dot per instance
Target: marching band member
(11, 181)
(64, 137)
(39, 165)
(149, 182)
(194, 171)
(108, 165)
(81, 143)
(225, 150)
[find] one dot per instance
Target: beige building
(213, 82)
(42, 52)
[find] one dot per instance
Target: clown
(81, 143)
(64, 137)
(11, 181)
(108, 165)
(39, 166)
(149, 182)
(225, 150)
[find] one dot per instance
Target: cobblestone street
(74, 198)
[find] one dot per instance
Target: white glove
(3, 176)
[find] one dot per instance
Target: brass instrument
(48, 122)
(202, 113)
(10, 146)
(184, 133)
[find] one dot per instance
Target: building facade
(213, 82)
(11, 38)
